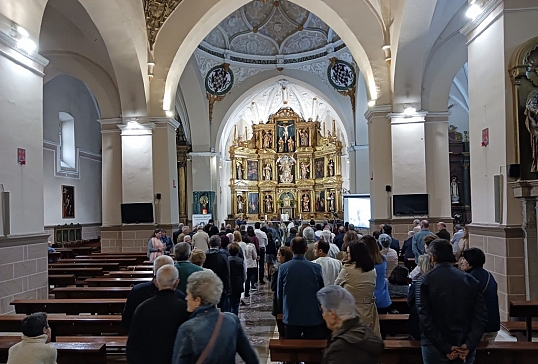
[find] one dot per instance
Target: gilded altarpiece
(288, 166)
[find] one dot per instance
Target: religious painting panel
(319, 165)
(286, 136)
(286, 171)
(267, 170)
(267, 139)
(253, 203)
(252, 170)
(331, 200)
(304, 137)
(239, 169)
(306, 204)
(304, 168)
(268, 203)
(320, 201)
(68, 202)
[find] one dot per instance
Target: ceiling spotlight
(169, 113)
(23, 32)
(473, 11)
(409, 110)
(371, 103)
(385, 47)
(26, 44)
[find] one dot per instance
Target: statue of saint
(268, 203)
(240, 204)
(331, 201)
(280, 145)
(285, 133)
(239, 170)
(269, 139)
(291, 145)
(286, 164)
(454, 191)
(267, 172)
(531, 112)
(303, 135)
(305, 203)
(330, 168)
(305, 170)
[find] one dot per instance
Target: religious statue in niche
(330, 201)
(239, 169)
(240, 204)
(280, 145)
(267, 172)
(291, 145)
(454, 191)
(253, 207)
(330, 168)
(252, 170)
(320, 201)
(305, 170)
(268, 202)
(286, 164)
(305, 202)
(303, 136)
(320, 168)
(286, 132)
(267, 139)
(531, 122)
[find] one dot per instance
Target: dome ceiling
(270, 29)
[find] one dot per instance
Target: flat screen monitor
(137, 213)
(410, 205)
(357, 210)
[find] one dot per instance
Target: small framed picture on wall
(68, 202)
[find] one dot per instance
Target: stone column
(111, 172)
(182, 151)
(380, 162)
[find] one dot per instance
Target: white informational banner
(357, 210)
(198, 219)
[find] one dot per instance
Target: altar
(288, 167)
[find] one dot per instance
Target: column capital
(110, 125)
(164, 121)
(135, 129)
(438, 116)
(377, 111)
(402, 118)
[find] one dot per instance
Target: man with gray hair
(350, 337)
(153, 331)
(418, 239)
(183, 266)
(459, 233)
(218, 263)
(143, 291)
(176, 233)
(310, 238)
(200, 240)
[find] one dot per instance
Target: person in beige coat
(35, 345)
(358, 276)
(200, 240)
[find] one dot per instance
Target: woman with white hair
(351, 340)
(210, 336)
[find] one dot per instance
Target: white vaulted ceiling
(271, 28)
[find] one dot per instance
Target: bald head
(425, 224)
(160, 261)
(167, 277)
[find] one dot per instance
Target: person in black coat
(211, 229)
(442, 233)
(395, 244)
(156, 321)
(218, 263)
(339, 238)
(237, 277)
(143, 291)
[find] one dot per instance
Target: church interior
(122, 117)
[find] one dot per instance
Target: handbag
(212, 340)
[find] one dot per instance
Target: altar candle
(300, 216)
(265, 217)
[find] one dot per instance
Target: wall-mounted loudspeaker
(513, 170)
(498, 196)
(158, 196)
(388, 188)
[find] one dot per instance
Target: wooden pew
(62, 280)
(138, 259)
(91, 292)
(400, 304)
(404, 351)
(527, 310)
(71, 306)
(393, 324)
(66, 325)
(54, 256)
(113, 343)
(131, 274)
(115, 282)
(78, 272)
(107, 267)
(123, 261)
(68, 352)
(140, 268)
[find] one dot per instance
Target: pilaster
(111, 171)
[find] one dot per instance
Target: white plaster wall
(490, 98)
(408, 156)
(137, 167)
(67, 94)
(21, 121)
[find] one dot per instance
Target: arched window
(67, 141)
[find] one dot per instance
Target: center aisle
(258, 322)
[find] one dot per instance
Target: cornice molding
(33, 56)
(476, 22)
(23, 239)
(111, 121)
(138, 130)
(158, 121)
(378, 111)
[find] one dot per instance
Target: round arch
(187, 26)
(94, 76)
